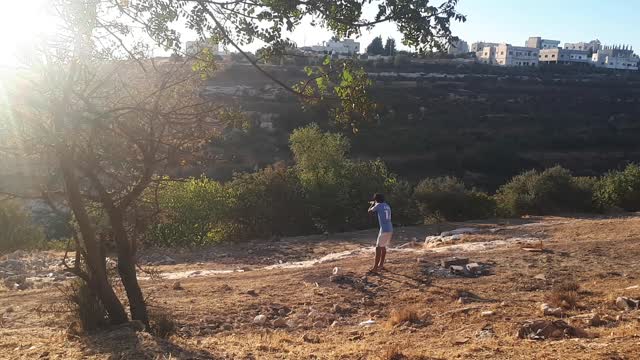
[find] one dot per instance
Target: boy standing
(383, 210)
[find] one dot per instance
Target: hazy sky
(513, 21)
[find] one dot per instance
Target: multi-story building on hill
(592, 46)
(509, 55)
(459, 47)
(616, 57)
(564, 56)
(540, 43)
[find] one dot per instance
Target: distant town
(536, 51)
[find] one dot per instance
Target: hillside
(418, 310)
(481, 123)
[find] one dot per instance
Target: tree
(376, 47)
(107, 121)
(390, 47)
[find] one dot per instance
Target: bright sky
(512, 21)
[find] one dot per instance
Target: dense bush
(337, 189)
(17, 230)
(551, 191)
(264, 203)
(446, 198)
(189, 213)
(620, 189)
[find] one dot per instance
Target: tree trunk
(96, 267)
(127, 268)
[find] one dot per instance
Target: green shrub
(620, 189)
(552, 191)
(189, 213)
(264, 203)
(17, 230)
(446, 198)
(338, 189)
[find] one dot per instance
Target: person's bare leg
(383, 254)
(377, 260)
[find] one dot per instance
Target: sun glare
(21, 21)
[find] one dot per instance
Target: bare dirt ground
(414, 306)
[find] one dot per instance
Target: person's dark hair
(378, 198)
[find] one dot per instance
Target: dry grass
(393, 353)
(403, 315)
(581, 249)
(564, 294)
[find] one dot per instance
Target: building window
(510, 52)
(501, 52)
(553, 55)
(546, 56)
(529, 53)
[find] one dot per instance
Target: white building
(593, 46)
(341, 47)
(540, 43)
(509, 55)
(459, 47)
(564, 56)
(195, 47)
(616, 57)
(478, 47)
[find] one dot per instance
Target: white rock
(367, 323)
(487, 313)
(260, 319)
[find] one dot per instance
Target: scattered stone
(366, 301)
(260, 319)
(310, 339)
(475, 268)
(545, 329)
(283, 311)
(460, 341)
(177, 286)
(336, 324)
(487, 313)
(454, 261)
(252, 292)
(596, 320)
(291, 324)
(504, 304)
(540, 277)
(14, 282)
(367, 323)
(632, 287)
(319, 324)
(626, 304)
(8, 310)
(336, 270)
(460, 231)
(227, 327)
(547, 310)
(486, 332)
(279, 323)
(457, 270)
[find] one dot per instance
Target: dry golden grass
(564, 299)
(403, 315)
(393, 353)
(595, 254)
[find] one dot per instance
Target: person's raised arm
(373, 207)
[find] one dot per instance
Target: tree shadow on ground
(124, 342)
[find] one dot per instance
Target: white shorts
(384, 239)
